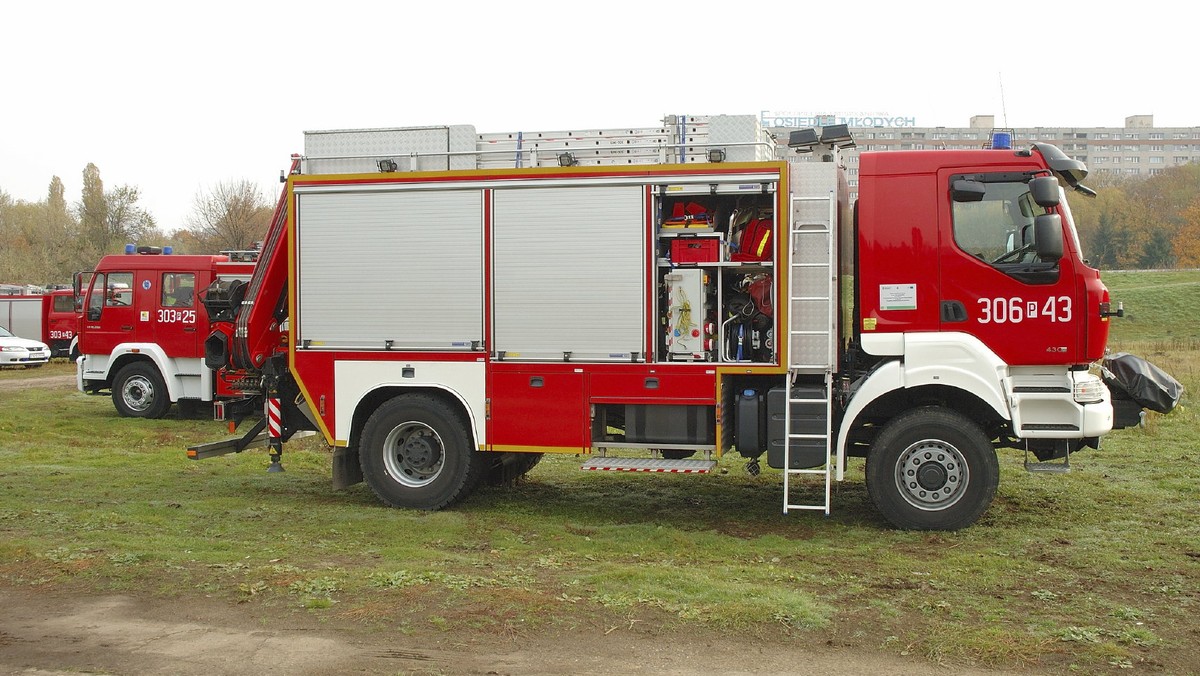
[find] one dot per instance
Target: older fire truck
(142, 331)
(49, 317)
(445, 306)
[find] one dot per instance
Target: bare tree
(231, 216)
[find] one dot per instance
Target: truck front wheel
(932, 469)
(416, 453)
(138, 391)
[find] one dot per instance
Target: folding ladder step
(686, 466)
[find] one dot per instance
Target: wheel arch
(888, 392)
(128, 353)
(374, 398)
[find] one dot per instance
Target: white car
(16, 351)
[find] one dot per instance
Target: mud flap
(346, 469)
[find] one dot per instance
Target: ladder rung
(797, 435)
(806, 471)
(810, 507)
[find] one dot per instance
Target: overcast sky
(174, 98)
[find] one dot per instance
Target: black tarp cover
(1131, 377)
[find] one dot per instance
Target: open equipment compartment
(715, 254)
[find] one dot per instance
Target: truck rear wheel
(932, 469)
(138, 391)
(416, 453)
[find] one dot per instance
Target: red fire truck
(50, 318)
(445, 306)
(143, 328)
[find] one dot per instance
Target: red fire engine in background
(143, 326)
(445, 306)
(50, 318)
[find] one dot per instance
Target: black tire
(506, 468)
(138, 391)
(932, 469)
(416, 453)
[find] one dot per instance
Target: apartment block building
(1138, 148)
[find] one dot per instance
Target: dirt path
(50, 634)
(36, 381)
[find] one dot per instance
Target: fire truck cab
(143, 326)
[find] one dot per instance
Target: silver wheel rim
(413, 454)
(138, 393)
(932, 475)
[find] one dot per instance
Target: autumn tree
(127, 222)
(230, 216)
(1187, 239)
(93, 210)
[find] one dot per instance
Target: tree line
(47, 241)
(1132, 223)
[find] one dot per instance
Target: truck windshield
(1070, 222)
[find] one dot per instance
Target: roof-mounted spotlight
(716, 155)
(567, 160)
(803, 140)
(837, 135)
(388, 165)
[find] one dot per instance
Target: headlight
(12, 348)
(1089, 390)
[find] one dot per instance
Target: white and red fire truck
(49, 317)
(143, 327)
(445, 306)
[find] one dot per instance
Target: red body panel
(537, 405)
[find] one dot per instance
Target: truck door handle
(953, 311)
(189, 329)
(536, 381)
(127, 328)
(652, 383)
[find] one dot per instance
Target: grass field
(1091, 571)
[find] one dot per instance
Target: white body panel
(353, 380)
(963, 362)
(185, 377)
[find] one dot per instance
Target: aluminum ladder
(812, 317)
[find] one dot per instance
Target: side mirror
(963, 190)
(1048, 236)
(1044, 191)
(93, 314)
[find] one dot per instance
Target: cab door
(109, 315)
(176, 319)
(994, 284)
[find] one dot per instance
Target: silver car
(16, 351)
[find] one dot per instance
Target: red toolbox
(695, 250)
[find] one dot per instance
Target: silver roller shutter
(400, 266)
(569, 272)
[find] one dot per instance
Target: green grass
(1159, 306)
(1092, 571)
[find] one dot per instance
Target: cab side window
(119, 289)
(994, 222)
(178, 289)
